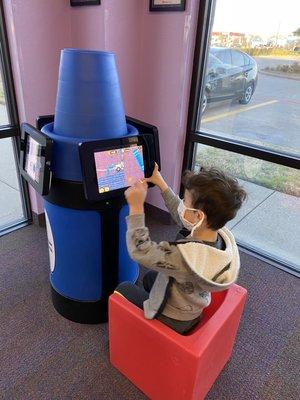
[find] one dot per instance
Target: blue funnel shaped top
(89, 102)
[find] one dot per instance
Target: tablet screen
(33, 161)
(119, 168)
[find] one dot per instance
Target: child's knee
(133, 293)
(123, 288)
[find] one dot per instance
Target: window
(247, 60)
(224, 56)
(263, 94)
(13, 196)
(246, 120)
(268, 219)
(213, 62)
(3, 109)
(237, 59)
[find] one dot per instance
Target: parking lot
(270, 119)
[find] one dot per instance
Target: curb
(294, 78)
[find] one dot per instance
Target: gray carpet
(44, 356)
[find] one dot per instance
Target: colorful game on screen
(119, 168)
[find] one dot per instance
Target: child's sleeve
(172, 202)
(161, 257)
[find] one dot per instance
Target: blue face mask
(191, 226)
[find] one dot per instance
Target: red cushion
(166, 365)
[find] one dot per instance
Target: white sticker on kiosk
(33, 163)
(50, 243)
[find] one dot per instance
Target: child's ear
(201, 215)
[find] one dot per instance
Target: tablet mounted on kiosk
(110, 166)
(35, 158)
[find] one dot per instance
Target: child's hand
(135, 196)
(157, 179)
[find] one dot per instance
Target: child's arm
(159, 257)
(170, 198)
(172, 201)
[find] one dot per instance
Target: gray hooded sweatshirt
(188, 270)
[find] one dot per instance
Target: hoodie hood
(207, 262)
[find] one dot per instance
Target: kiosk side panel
(77, 252)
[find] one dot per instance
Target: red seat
(166, 365)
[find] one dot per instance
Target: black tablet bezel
(43, 186)
(87, 151)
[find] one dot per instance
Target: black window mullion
(286, 159)
(9, 131)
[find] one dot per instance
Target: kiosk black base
(84, 312)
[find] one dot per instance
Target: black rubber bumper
(84, 312)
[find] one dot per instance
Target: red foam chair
(166, 365)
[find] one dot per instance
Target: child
(183, 273)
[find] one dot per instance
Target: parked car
(231, 74)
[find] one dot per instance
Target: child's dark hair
(218, 195)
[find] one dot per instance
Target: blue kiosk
(81, 160)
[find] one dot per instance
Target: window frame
(12, 129)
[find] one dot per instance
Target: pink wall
(114, 26)
(37, 31)
(154, 57)
(164, 83)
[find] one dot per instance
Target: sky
(260, 17)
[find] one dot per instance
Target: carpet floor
(44, 356)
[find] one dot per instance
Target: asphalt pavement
(270, 119)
